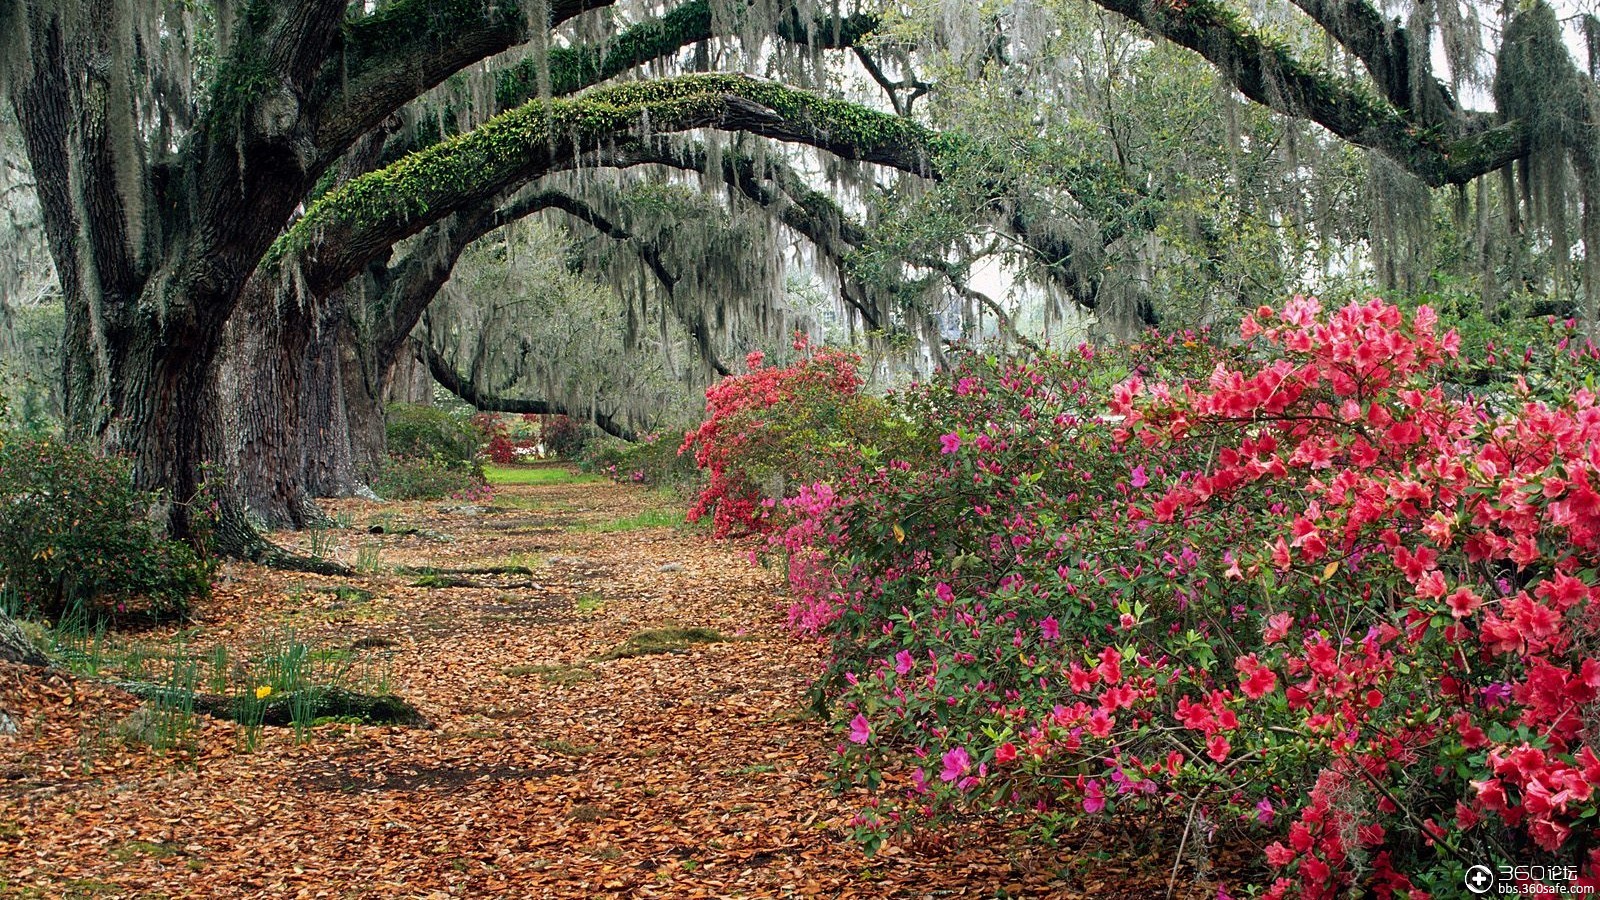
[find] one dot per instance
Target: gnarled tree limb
(469, 392)
(1270, 75)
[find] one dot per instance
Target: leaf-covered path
(617, 711)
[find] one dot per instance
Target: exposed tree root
(279, 709)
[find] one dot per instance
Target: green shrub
(75, 536)
(410, 478)
(427, 432)
(654, 461)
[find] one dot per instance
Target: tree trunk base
(15, 647)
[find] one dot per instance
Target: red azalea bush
(1295, 588)
(564, 437)
(497, 442)
(773, 427)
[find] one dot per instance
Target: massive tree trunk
(328, 455)
(259, 386)
(365, 387)
(151, 258)
(154, 234)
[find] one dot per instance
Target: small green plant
(368, 558)
(74, 533)
(324, 544)
(589, 603)
(167, 717)
(218, 659)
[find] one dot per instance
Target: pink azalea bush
(1297, 589)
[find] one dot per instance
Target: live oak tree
(251, 205)
(172, 145)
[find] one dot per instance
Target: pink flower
(1277, 629)
(956, 764)
(1101, 723)
(945, 593)
(1464, 602)
(949, 443)
(903, 662)
(1005, 753)
(1254, 679)
(1140, 479)
(1094, 799)
(1264, 813)
(860, 729)
(1050, 628)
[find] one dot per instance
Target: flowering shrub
(775, 426)
(496, 437)
(74, 536)
(564, 437)
(1296, 588)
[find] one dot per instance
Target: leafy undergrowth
(616, 714)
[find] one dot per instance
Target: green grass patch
(663, 640)
(537, 475)
(345, 593)
(442, 581)
(566, 676)
(426, 571)
(757, 769)
(649, 518)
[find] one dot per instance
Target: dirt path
(551, 770)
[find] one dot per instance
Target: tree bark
(15, 646)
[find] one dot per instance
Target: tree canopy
(254, 207)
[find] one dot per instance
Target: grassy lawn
(649, 518)
(548, 474)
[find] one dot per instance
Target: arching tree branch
(465, 388)
(1384, 48)
(356, 222)
(1270, 75)
(569, 69)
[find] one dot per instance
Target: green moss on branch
(361, 217)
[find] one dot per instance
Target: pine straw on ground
(550, 771)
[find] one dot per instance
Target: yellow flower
(263, 691)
